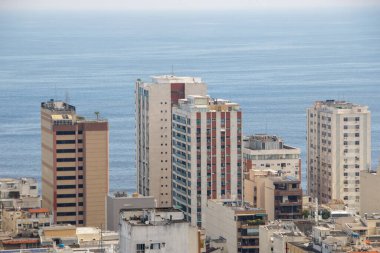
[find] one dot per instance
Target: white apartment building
(154, 103)
(157, 230)
(338, 148)
(269, 152)
(207, 154)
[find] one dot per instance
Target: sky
(178, 4)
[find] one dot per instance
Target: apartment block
(263, 152)
(236, 222)
(26, 223)
(120, 201)
(338, 149)
(157, 230)
(19, 193)
(207, 154)
(154, 103)
(74, 165)
(279, 195)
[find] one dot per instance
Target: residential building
(275, 236)
(157, 230)
(20, 193)
(74, 165)
(263, 152)
(120, 201)
(26, 223)
(369, 192)
(236, 222)
(154, 103)
(338, 149)
(280, 196)
(207, 153)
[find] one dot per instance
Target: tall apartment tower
(207, 154)
(338, 148)
(154, 103)
(74, 165)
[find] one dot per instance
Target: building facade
(154, 103)
(338, 148)
(237, 223)
(119, 201)
(263, 152)
(279, 195)
(74, 165)
(157, 230)
(369, 192)
(207, 154)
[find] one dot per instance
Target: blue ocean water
(275, 64)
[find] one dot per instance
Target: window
(66, 204)
(66, 186)
(80, 141)
(140, 248)
(80, 149)
(155, 246)
(65, 132)
(66, 178)
(60, 151)
(66, 168)
(65, 142)
(66, 214)
(60, 160)
(80, 159)
(66, 195)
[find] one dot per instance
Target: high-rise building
(74, 165)
(338, 148)
(154, 103)
(263, 152)
(207, 153)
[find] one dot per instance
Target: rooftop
(237, 205)
(207, 103)
(264, 142)
(153, 216)
(58, 106)
(338, 104)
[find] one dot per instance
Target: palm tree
(97, 115)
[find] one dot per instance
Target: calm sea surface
(275, 64)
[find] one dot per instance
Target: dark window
(80, 203)
(80, 194)
(65, 160)
(65, 142)
(66, 214)
(66, 178)
(80, 149)
(65, 132)
(65, 151)
(67, 222)
(80, 213)
(66, 168)
(80, 185)
(81, 222)
(66, 186)
(80, 159)
(66, 204)
(66, 195)
(80, 176)
(80, 132)
(80, 168)
(80, 141)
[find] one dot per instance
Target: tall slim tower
(154, 103)
(207, 154)
(338, 148)
(74, 162)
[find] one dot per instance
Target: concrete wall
(369, 193)
(115, 204)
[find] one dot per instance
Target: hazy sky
(177, 4)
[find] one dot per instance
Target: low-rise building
(157, 230)
(18, 193)
(263, 152)
(238, 223)
(122, 201)
(280, 196)
(26, 223)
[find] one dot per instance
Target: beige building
(207, 154)
(263, 152)
(235, 222)
(154, 103)
(74, 165)
(369, 192)
(26, 223)
(338, 149)
(280, 196)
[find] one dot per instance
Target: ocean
(274, 63)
